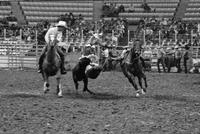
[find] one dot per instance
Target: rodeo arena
(100, 67)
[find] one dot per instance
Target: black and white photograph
(99, 66)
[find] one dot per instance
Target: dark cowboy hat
(187, 47)
(137, 40)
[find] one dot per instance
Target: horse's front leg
(130, 78)
(46, 84)
(75, 82)
(143, 89)
(59, 88)
(85, 81)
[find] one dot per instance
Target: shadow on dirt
(175, 98)
(196, 83)
(97, 96)
(22, 95)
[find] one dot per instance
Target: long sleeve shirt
(53, 33)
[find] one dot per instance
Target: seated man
(131, 8)
(60, 33)
(146, 7)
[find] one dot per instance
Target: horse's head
(84, 61)
(51, 44)
(134, 53)
(51, 53)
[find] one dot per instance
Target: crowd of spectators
(4, 3)
(113, 9)
(79, 30)
(169, 31)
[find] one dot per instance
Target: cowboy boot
(41, 59)
(40, 63)
(63, 70)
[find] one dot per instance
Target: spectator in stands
(71, 18)
(87, 50)
(105, 7)
(145, 6)
(131, 8)
(80, 17)
(59, 33)
(121, 8)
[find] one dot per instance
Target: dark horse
(79, 73)
(132, 66)
(51, 67)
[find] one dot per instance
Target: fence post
(36, 47)
(192, 36)
(81, 38)
(128, 37)
(144, 38)
(21, 47)
(112, 37)
(67, 36)
(159, 36)
(4, 33)
(175, 35)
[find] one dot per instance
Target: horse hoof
(143, 92)
(137, 95)
(45, 91)
(60, 96)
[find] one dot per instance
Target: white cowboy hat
(96, 35)
(126, 47)
(168, 48)
(62, 23)
(93, 46)
(88, 45)
(176, 46)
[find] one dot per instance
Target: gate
(18, 54)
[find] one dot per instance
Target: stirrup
(63, 71)
(39, 71)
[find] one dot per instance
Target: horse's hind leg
(59, 88)
(75, 83)
(85, 81)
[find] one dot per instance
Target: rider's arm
(47, 37)
(51, 31)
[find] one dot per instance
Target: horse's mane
(130, 56)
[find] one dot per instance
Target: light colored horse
(51, 67)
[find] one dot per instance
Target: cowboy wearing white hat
(176, 47)
(57, 33)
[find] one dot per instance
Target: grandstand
(192, 11)
(5, 10)
(34, 11)
(39, 11)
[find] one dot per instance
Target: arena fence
(18, 54)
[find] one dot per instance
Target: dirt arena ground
(171, 105)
